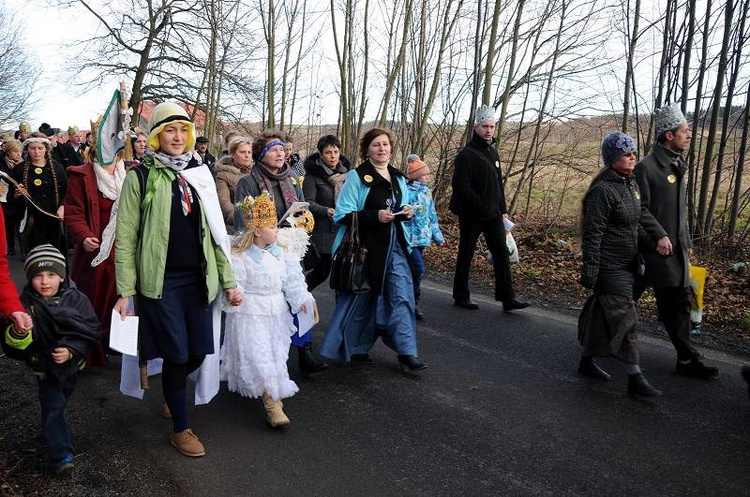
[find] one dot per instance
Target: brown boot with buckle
(188, 444)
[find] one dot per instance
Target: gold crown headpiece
(260, 212)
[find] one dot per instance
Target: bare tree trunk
(734, 211)
(704, 212)
(629, 72)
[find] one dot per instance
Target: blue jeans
(53, 398)
(417, 261)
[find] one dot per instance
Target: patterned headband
(268, 147)
(36, 139)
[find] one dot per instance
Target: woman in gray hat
(610, 226)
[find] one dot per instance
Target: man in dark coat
(201, 146)
(662, 179)
(72, 152)
(479, 202)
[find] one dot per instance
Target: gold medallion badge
(497, 164)
(294, 180)
(38, 170)
(637, 195)
(368, 178)
(38, 182)
(671, 178)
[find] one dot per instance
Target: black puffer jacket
(611, 231)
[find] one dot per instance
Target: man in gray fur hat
(479, 202)
(662, 179)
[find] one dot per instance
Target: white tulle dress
(257, 333)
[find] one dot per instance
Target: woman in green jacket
(171, 251)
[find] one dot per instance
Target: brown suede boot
(276, 417)
(188, 444)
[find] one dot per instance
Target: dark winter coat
(611, 224)
(319, 193)
(66, 320)
(478, 191)
(662, 181)
(248, 185)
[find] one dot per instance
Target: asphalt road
(500, 411)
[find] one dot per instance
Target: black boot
(637, 385)
(307, 362)
(417, 312)
(746, 376)
(411, 363)
(589, 367)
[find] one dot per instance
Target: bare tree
(18, 73)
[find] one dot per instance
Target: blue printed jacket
(423, 228)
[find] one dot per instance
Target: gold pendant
(38, 170)
(671, 178)
(38, 182)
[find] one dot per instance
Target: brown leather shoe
(188, 444)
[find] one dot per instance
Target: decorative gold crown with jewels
(260, 212)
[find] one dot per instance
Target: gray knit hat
(412, 157)
(44, 258)
(668, 118)
(615, 145)
(484, 113)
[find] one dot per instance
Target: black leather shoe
(746, 376)
(466, 304)
(588, 367)
(696, 369)
(362, 359)
(418, 314)
(411, 363)
(514, 304)
(307, 362)
(637, 385)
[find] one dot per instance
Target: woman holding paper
(91, 216)
(172, 253)
(272, 174)
(377, 194)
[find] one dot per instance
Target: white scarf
(109, 185)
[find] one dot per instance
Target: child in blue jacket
(65, 327)
(423, 227)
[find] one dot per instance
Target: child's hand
(234, 296)
(121, 307)
(303, 307)
(61, 355)
(408, 211)
(21, 322)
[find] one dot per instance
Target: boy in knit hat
(64, 329)
(423, 226)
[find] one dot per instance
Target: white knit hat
(167, 113)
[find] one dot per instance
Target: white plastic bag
(512, 247)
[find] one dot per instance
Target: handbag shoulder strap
(355, 228)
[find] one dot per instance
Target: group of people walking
(179, 238)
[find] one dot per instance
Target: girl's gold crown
(260, 212)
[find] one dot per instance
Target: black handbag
(349, 266)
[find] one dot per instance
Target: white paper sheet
(309, 318)
(123, 334)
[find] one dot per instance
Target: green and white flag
(110, 135)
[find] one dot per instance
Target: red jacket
(9, 302)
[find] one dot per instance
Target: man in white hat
(479, 202)
(662, 179)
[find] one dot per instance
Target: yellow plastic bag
(697, 285)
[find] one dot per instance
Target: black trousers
(673, 304)
(494, 234)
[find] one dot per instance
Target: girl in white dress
(257, 339)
